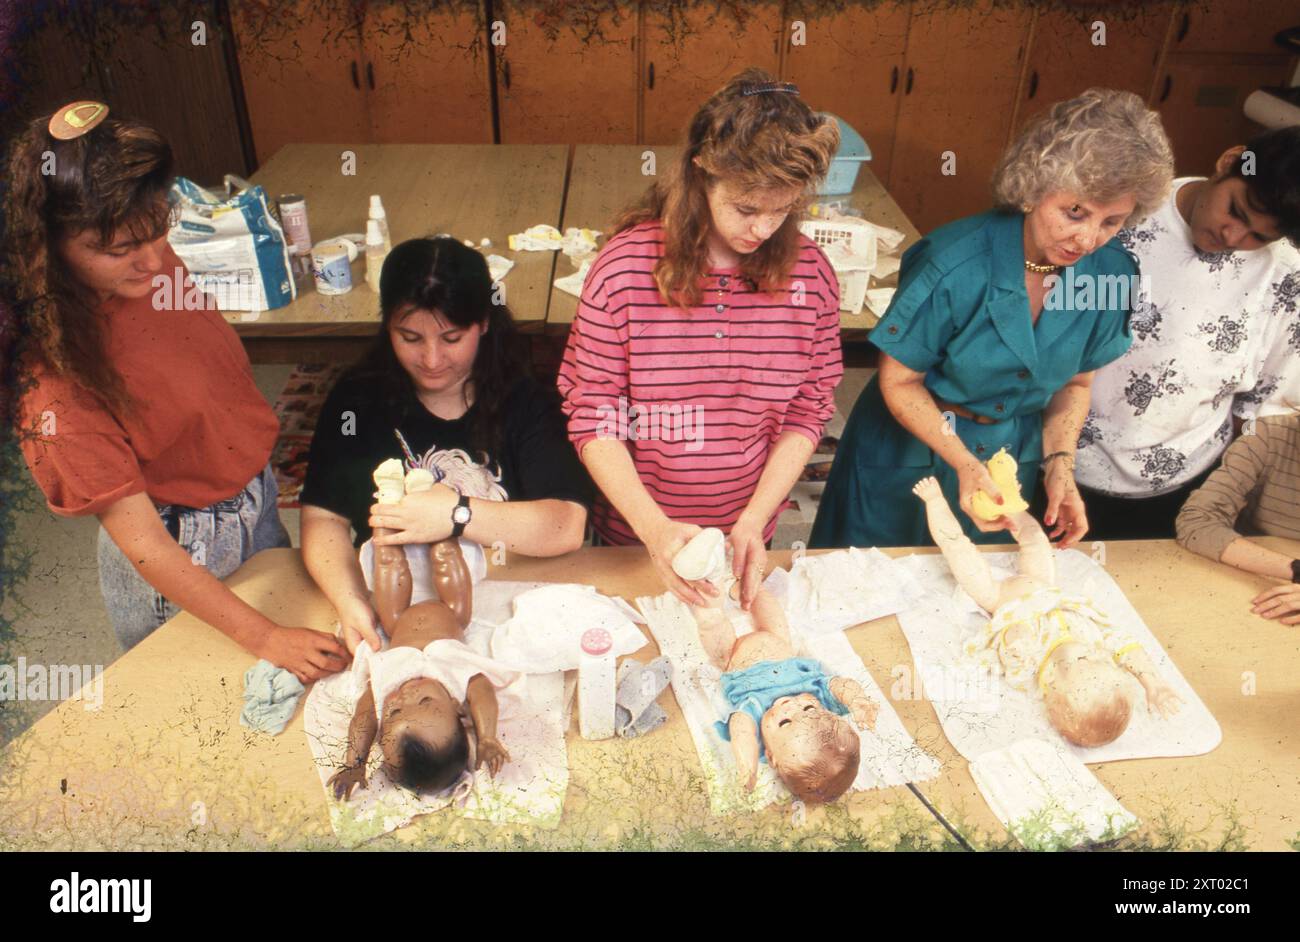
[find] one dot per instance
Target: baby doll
(1043, 639)
(415, 687)
(779, 707)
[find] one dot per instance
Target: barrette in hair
(758, 89)
(77, 119)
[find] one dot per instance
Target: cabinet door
(851, 64)
(959, 87)
(1200, 100)
(302, 70)
(426, 75)
(562, 80)
(1094, 45)
(1232, 25)
(691, 52)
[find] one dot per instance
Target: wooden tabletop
(471, 191)
(606, 178)
(164, 762)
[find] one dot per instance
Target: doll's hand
(864, 711)
(357, 618)
(424, 517)
(492, 754)
(346, 779)
(973, 476)
(1161, 698)
(1065, 511)
(663, 542)
(749, 558)
(1280, 603)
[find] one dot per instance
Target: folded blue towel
(270, 697)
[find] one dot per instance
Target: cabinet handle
(370, 75)
(356, 79)
(505, 69)
(907, 89)
(1183, 26)
(1169, 84)
(650, 77)
(893, 80)
(1033, 83)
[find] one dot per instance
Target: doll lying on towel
(1042, 639)
(414, 688)
(778, 708)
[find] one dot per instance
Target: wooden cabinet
(851, 64)
(302, 68)
(1236, 26)
(1090, 45)
(561, 82)
(961, 72)
(691, 51)
(1200, 100)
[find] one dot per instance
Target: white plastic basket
(858, 242)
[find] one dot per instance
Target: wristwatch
(460, 515)
(1295, 570)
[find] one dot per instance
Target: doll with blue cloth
(778, 708)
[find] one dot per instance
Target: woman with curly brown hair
(133, 407)
(702, 363)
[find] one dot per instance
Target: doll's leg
(451, 578)
(392, 582)
(968, 565)
(1037, 559)
(717, 636)
(769, 616)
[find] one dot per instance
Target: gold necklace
(1040, 269)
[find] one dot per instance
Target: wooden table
(468, 190)
(606, 178)
(164, 763)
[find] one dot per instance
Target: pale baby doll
(1044, 640)
(778, 707)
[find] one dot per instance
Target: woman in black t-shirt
(443, 373)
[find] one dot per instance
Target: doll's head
(1086, 694)
(814, 751)
(424, 744)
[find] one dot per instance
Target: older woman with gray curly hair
(996, 328)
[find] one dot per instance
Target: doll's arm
(451, 578)
(968, 565)
(481, 699)
(1161, 698)
(850, 693)
(392, 580)
(744, 747)
(361, 736)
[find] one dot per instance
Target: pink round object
(597, 641)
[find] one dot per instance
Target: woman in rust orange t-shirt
(136, 399)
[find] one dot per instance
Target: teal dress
(961, 316)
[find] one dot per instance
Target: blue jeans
(219, 538)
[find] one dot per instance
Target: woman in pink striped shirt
(702, 364)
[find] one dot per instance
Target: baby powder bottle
(596, 685)
(376, 252)
(378, 215)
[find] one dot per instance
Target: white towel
(529, 789)
(1047, 798)
(889, 756)
(981, 713)
(833, 591)
(546, 629)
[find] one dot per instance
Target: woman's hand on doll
(973, 476)
(1065, 511)
(1161, 698)
(424, 517)
(749, 558)
(1280, 603)
(492, 754)
(359, 623)
(663, 542)
(347, 778)
(304, 652)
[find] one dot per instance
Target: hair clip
(77, 119)
(790, 87)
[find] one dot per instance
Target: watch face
(460, 515)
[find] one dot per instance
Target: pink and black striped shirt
(698, 395)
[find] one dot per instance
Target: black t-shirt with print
(537, 460)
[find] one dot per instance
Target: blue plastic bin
(844, 166)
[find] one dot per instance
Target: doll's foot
(928, 489)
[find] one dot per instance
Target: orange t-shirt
(200, 430)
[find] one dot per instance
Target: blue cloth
(271, 695)
(754, 690)
(961, 317)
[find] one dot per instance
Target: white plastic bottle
(378, 215)
(375, 255)
(596, 685)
